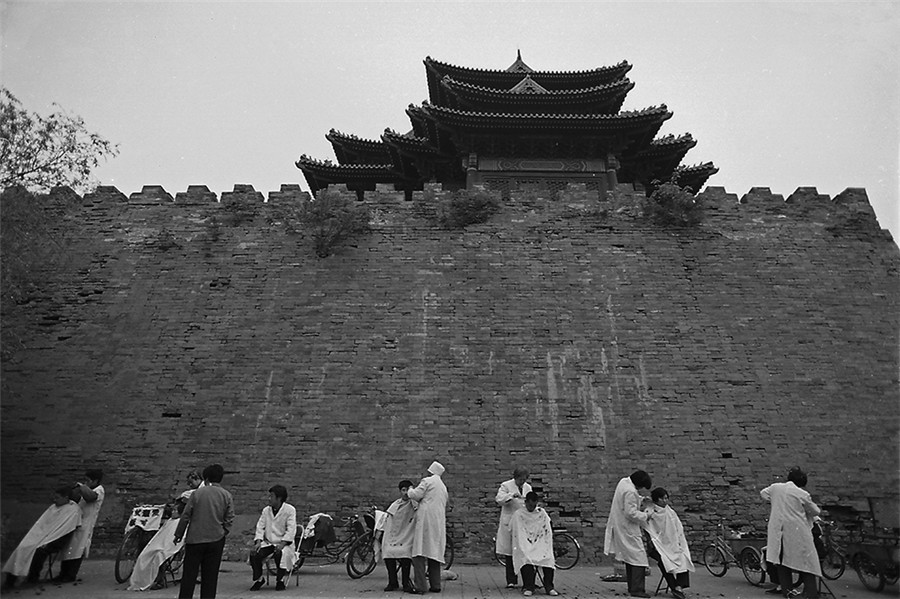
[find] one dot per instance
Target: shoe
(511, 585)
(553, 593)
(528, 593)
(408, 589)
(434, 590)
(279, 585)
(678, 594)
(391, 587)
(613, 578)
(258, 584)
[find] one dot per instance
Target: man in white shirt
(79, 545)
(623, 530)
(511, 497)
(275, 532)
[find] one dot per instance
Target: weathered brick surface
(194, 331)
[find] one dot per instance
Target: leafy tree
(672, 205)
(39, 152)
(331, 218)
(467, 207)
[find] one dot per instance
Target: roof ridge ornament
(519, 65)
(528, 86)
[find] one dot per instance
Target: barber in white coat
(430, 537)
(789, 540)
(623, 530)
(511, 497)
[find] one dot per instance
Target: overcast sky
(779, 95)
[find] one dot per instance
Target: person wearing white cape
(48, 535)
(668, 545)
(532, 545)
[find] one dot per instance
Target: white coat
(623, 529)
(790, 528)
(80, 544)
(399, 530)
(273, 529)
(511, 500)
(430, 536)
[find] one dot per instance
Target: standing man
(79, 546)
(430, 535)
(510, 496)
(207, 517)
(275, 532)
(789, 540)
(623, 530)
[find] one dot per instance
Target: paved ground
(474, 582)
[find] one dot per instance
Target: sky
(778, 95)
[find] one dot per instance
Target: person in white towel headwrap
(430, 536)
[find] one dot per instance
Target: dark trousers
(258, 557)
(37, 562)
(68, 569)
(680, 580)
(433, 583)
(404, 563)
(205, 559)
(528, 575)
(810, 582)
(511, 577)
(635, 576)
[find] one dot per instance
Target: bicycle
(721, 553)
(566, 549)
(832, 559)
(143, 524)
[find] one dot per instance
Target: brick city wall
(186, 331)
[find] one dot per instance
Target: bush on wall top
(467, 207)
(331, 218)
(672, 205)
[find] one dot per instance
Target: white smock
(276, 529)
(623, 529)
(790, 528)
(80, 544)
(511, 500)
(430, 533)
(399, 530)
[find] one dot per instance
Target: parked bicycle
(876, 555)
(143, 524)
(833, 561)
(740, 550)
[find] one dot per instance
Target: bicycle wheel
(868, 571)
(715, 561)
(752, 566)
(361, 556)
(833, 565)
(448, 553)
(128, 552)
(566, 550)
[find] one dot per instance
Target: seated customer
(275, 532)
(148, 572)
(668, 545)
(48, 535)
(532, 545)
(396, 544)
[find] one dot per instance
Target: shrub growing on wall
(331, 218)
(467, 207)
(672, 205)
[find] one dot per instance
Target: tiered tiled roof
(516, 113)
